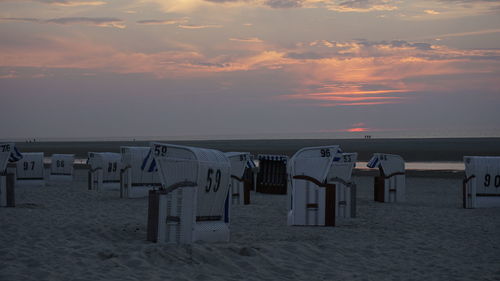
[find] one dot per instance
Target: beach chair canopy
(8, 153)
(136, 158)
(208, 169)
(389, 163)
(314, 162)
(342, 167)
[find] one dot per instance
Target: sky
(222, 69)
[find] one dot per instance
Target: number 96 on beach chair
(390, 186)
(193, 204)
(315, 194)
(8, 153)
(481, 186)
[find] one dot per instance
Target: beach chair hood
(389, 163)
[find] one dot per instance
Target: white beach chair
(104, 173)
(240, 189)
(194, 202)
(137, 177)
(30, 169)
(481, 186)
(390, 186)
(61, 167)
(340, 174)
(314, 173)
(8, 153)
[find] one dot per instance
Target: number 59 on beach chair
(193, 204)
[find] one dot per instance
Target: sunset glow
(303, 62)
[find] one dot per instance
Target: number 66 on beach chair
(193, 204)
(390, 185)
(8, 153)
(312, 199)
(481, 186)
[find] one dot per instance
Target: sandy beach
(64, 232)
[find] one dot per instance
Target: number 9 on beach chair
(312, 198)
(104, 173)
(8, 153)
(138, 174)
(193, 204)
(481, 186)
(390, 186)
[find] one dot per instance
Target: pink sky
(250, 69)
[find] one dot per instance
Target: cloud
(102, 22)
(247, 40)
(161, 22)
(363, 6)
(283, 4)
(67, 3)
(431, 12)
(194, 26)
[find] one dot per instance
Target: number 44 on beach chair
(193, 203)
(390, 186)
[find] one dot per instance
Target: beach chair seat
(390, 185)
(193, 204)
(481, 186)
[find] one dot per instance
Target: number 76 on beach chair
(8, 153)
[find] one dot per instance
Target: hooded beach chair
(30, 169)
(137, 176)
(314, 174)
(390, 185)
(193, 204)
(240, 187)
(104, 173)
(481, 186)
(61, 167)
(272, 176)
(8, 154)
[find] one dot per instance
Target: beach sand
(64, 232)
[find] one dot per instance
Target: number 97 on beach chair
(193, 203)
